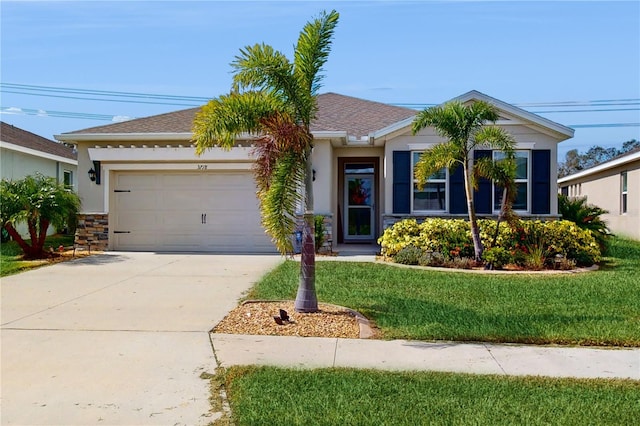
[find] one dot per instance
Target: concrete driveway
(118, 338)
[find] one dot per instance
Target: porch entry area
(357, 199)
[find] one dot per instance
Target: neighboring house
(614, 186)
(24, 153)
(152, 192)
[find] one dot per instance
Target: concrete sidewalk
(477, 358)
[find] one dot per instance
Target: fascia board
(393, 128)
(601, 167)
(36, 153)
(99, 137)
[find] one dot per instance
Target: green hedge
(533, 244)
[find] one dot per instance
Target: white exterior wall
(325, 177)
(17, 165)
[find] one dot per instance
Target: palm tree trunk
(306, 299)
(473, 221)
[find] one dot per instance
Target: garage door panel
(176, 211)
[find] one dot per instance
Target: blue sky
(401, 52)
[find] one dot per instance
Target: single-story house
(152, 193)
(614, 186)
(23, 153)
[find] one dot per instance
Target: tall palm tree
(275, 100)
(465, 128)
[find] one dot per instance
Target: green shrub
(408, 255)
(319, 231)
(528, 243)
(497, 257)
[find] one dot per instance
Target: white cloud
(121, 118)
(12, 110)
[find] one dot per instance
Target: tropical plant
(503, 174)
(38, 201)
(464, 127)
(275, 100)
(585, 216)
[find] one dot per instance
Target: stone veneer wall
(327, 245)
(93, 231)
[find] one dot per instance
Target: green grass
(273, 396)
(11, 255)
(593, 308)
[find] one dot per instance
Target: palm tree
(38, 201)
(275, 100)
(503, 174)
(465, 129)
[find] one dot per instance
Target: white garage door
(176, 211)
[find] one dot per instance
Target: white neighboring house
(152, 193)
(23, 153)
(614, 186)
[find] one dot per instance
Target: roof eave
(601, 167)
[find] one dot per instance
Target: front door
(359, 201)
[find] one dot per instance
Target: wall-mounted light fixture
(314, 175)
(94, 173)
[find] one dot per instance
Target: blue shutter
(482, 197)
(541, 181)
(457, 197)
(402, 182)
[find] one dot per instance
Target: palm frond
(223, 119)
(497, 138)
(441, 156)
(311, 53)
(261, 67)
(278, 203)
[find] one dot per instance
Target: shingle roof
(23, 138)
(358, 117)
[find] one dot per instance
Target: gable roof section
(626, 158)
(563, 132)
(21, 138)
(336, 113)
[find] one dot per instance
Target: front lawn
(270, 396)
(592, 308)
(11, 255)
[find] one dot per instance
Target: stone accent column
(93, 231)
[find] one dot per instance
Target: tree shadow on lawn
(421, 320)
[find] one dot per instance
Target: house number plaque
(202, 167)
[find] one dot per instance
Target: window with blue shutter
(457, 197)
(482, 197)
(402, 182)
(541, 181)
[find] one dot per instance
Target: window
(521, 202)
(433, 196)
(623, 182)
(67, 179)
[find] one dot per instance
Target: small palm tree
(38, 201)
(465, 129)
(585, 216)
(275, 99)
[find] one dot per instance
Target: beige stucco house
(23, 153)
(153, 193)
(614, 186)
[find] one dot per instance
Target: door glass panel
(359, 221)
(359, 201)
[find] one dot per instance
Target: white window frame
(624, 192)
(526, 181)
(64, 174)
(414, 182)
